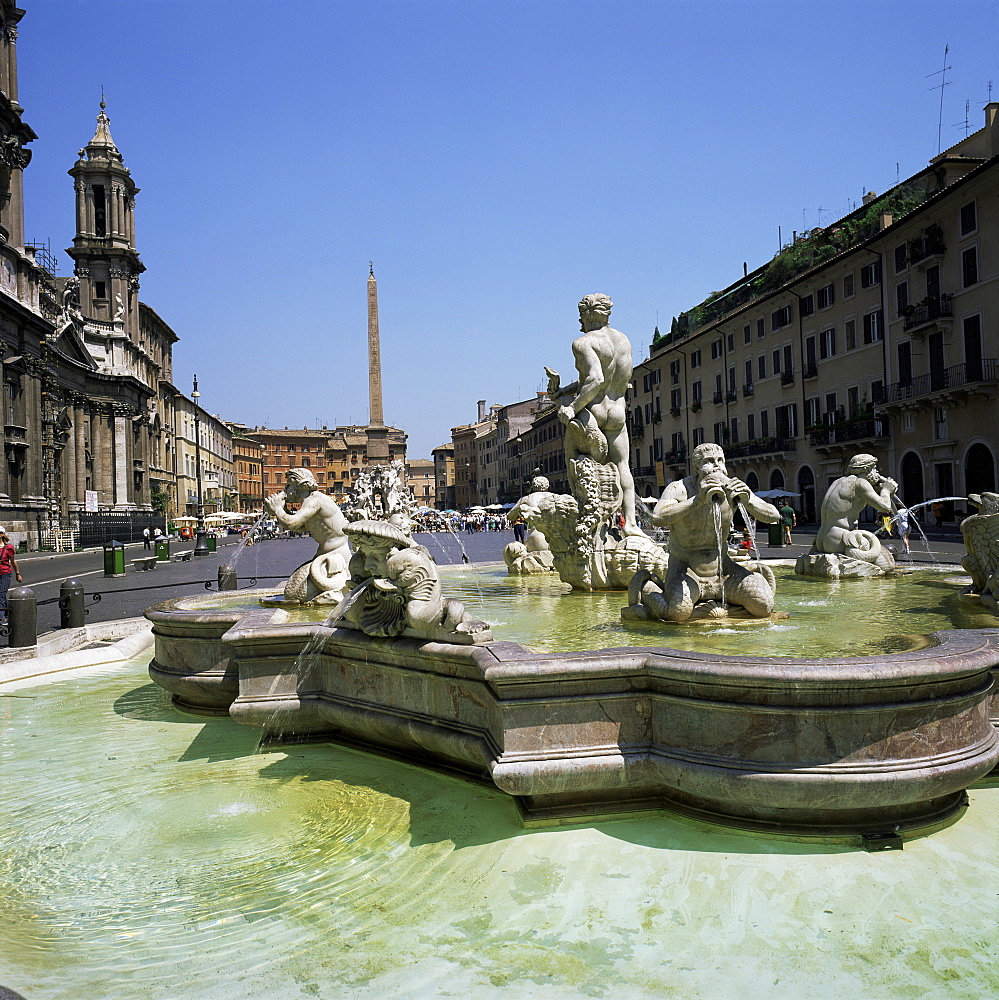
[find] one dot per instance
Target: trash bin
(114, 559)
(775, 535)
(211, 541)
(163, 550)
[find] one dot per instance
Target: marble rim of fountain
(811, 746)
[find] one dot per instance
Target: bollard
(22, 617)
(227, 577)
(71, 601)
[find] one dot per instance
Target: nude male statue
(596, 416)
(862, 485)
(319, 515)
(687, 508)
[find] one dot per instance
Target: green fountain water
(884, 614)
(149, 855)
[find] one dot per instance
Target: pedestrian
(8, 568)
(147, 537)
(519, 530)
(937, 510)
(788, 518)
(903, 527)
(157, 533)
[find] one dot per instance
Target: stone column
(122, 449)
(102, 447)
(81, 422)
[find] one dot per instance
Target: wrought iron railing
(984, 370)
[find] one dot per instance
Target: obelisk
(377, 432)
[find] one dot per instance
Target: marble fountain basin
(876, 735)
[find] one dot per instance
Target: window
(695, 391)
(657, 453)
(731, 380)
(716, 349)
(908, 420)
(807, 305)
(674, 372)
(872, 327)
(719, 432)
(749, 372)
(825, 296)
(718, 385)
(761, 366)
(901, 257)
(695, 359)
(853, 402)
(100, 210)
(733, 430)
(969, 266)
(674, 400)
(905, 364)
(969, 218)
(786, 420)
(850, 330)
(812, 414)
(750, 427)
(831, 408)
(870, 275)
(747, 334)
(939, 423)
(780, 318)
(901, 297)
(646, 383)
(788, 359)
(810, 357)
(827, 344)
(697, 436)
(761, 328)
(730, 342)
(765, 424)
(848, 286)
(776, 361)
(100, 290)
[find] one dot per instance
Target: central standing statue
(589, 550)
(702, 580)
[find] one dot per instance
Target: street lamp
(200, 542)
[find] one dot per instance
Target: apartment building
(878, 333)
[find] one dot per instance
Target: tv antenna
(942, 73)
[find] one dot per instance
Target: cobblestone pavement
(270, 562)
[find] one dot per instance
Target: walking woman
(8, 568)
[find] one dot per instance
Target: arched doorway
(979, 470)
(912, 480)
(776, 480)
(753, 481)
(806, 487)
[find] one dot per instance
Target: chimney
(481, 404)
(869, 197)
(992, 126)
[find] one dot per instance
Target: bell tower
(107, 263)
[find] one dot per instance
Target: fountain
(841, 548)
(795, 743)
(981, 536)
(534, 554)
(701, 579)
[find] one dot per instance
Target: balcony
(759, 446)
(717, 398)
(695, 406)
(787, 377)
(810, 370)
(928, 311)
(956, 381)
(674, 411)
(678, 457)
(15, 436)
(928, 245)
(645, 472)
(731, 396)
(748, 389)
(858, 429)
(657, 417)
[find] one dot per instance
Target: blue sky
(496, 161)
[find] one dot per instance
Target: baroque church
(89, 405)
